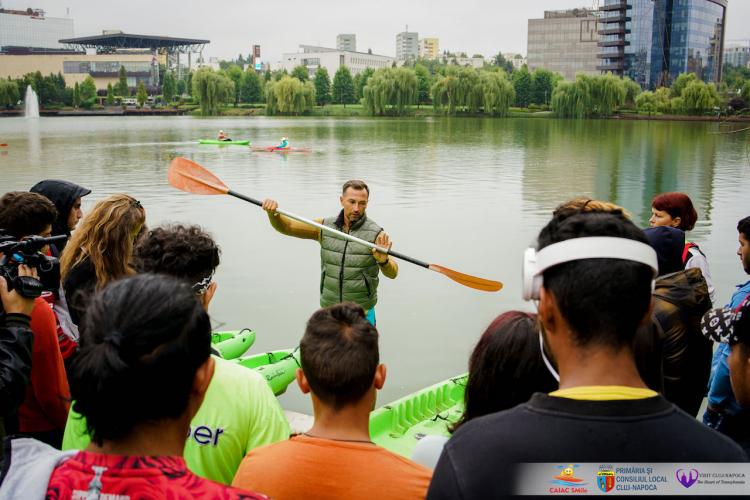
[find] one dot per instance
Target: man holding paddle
(349, 271)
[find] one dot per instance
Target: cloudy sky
(471, 26)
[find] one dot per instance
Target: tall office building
(346, 42)
(407, 45)
(653, 41)
(564, 41)
(32, 29)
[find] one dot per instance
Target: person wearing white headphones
(592, 276)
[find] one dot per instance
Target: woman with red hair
(676, 210)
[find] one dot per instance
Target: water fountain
(32, 103)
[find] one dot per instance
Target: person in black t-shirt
(593, 294)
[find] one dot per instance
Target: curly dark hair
(185, 252)
(23, 213)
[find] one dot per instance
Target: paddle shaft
(332, 231)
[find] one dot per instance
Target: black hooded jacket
(63, 194)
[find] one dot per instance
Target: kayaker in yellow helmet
(223, 137)
(284, 143)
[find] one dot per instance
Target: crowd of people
(109, 386)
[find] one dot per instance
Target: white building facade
(407, 45)
(22, 29)
(332, 59)
(737, 54)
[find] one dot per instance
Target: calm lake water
(470, 194)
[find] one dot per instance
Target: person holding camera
(15, 348)
(45, 408)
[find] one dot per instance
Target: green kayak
(278, 367)
(233, 344)
(398, 426)
(224, 143)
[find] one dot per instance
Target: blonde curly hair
(584, 204)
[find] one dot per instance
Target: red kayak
(276, 149)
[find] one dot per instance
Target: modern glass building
(653, 41)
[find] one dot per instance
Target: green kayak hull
(224, 143)
(233, 344)
(399, 425)
(279, 368)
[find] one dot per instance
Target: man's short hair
(186, 252)
(743, 227)
(357, 185)
(23, 213)
(339, 354)
(603, 300)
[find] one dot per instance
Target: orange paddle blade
(474, 282)
(188, 176)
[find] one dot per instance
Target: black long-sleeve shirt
(15, 363)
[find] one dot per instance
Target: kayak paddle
(188, 176)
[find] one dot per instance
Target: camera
(27, 251)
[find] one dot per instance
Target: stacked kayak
(276, 149)
(398, 426)
(224, 143)
(232, 344)
(279, 368)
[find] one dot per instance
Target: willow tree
(212, 89)
(497, 92)
(289, 96)
(632, 90)
(607, 94)
(470, 91)
(571, 99)
(9, 94)
(445, 93)
(699, 97)
(390, 90)
(646, 102)
(169, 87)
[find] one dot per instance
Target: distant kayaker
(284, 144)
(223, 136)
(349, 272)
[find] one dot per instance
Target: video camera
(27, 251)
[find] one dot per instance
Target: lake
(468, 193)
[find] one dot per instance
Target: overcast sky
(233, 26)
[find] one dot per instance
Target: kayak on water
(227, 143)
(279, 368)
(235, 345)
(398, 426)
(276, 149)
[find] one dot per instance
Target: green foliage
(597, 96)
(497, 92)
(364, 76)
(76, 95)
(500, 61)
(189, 84)
(122, 88)
(698, 98)
(252, 87)
(682, 81)
(736, 76)
(181, 87)
(343, 86)
(50, 89)
(140, 95)
(169, 88)
(745, 92)
(423, 84)
(9, 94)
(522, 86)
(322, 86)
(663, 101)
(646, 102)
(470, 92)
(446, 93)
(279, 74)
(390, 90)
(110, 95)
(289, 95)
(543, 83)
(632, 90)
(211, 89)
(234, 73)
(300, 73)
(87, 88)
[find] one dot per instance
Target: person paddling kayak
(223, 137)
(284, 144)
(349, 272)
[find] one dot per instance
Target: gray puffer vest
(348, 270)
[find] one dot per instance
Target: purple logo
(687, 478)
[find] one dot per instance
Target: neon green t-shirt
(239, 413)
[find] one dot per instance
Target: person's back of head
(23, 213)
(669, 243)
(583, 204)
(506, 366)
(106, 236)
(603, 300)
(144, 341)
(743, 227)
(339, 354)
(185, 252)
